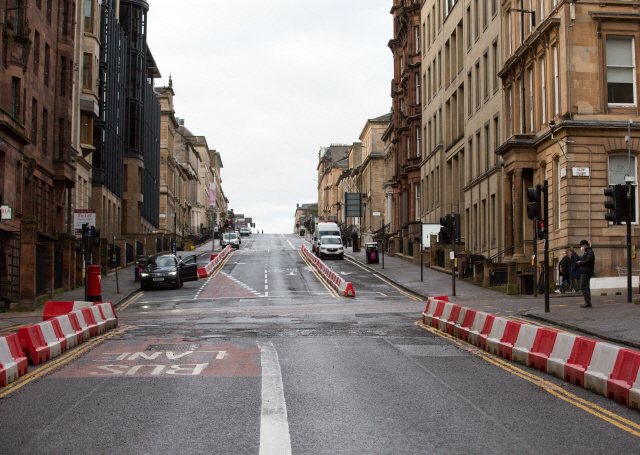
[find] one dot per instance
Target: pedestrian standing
(565, 272)
(575, 271)
(354, 241)
(587, 265)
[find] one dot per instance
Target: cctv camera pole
(630, 210)
(452, 231)
(115, 266)
(545, 190)
(421, 260)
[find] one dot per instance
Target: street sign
(429, 229)
(81, 217)
(353, 205)
(452, 255)
(376, 213)
(6, 213)
(580, 171)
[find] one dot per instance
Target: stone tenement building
(332, 161)
(37, 169)
(404, 154)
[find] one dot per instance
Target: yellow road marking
(59, 361)
(320, 278)
(404, 293)
(356, 264)
(11, 329)
(557, 391)
(223, 264)
(129, 302)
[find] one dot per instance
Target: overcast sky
(269, 82)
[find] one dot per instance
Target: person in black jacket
(575, 271)
(587, 264)
(565, 272)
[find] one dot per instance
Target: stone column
(49, 281)
(518, 234)
(28, 241)
(508, 214)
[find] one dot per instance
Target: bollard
(94, 286)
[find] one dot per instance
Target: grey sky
(268, 82)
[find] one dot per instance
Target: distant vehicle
(331, 245)
(323, 229)
(302, 231)
(245, 231)
(230, 238)
(167, 270)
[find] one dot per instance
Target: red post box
(94, 285)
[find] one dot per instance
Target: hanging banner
(212, 194)
(81, 217)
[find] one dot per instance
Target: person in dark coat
(565, 272)
(587, 265)
(575, 271)
(354, 241)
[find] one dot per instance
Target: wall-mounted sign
(376, 213)
(81, 217)
(163, 215)
(5, 212)
(563, 172)
(580, 171)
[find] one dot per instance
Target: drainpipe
(572, 15)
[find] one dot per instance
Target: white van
(324, 229)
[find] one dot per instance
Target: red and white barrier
(8, 365)
(79, 326)
(33, 344)
(600, 367)
(16, 352)
(53, 309)
(63, 329)
(55, 347)
(214, 263)
(100, 320)
(623, 376)
(109, 315)
(336, 281)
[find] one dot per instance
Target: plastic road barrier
(624, 374)
(426, 309)
(493, 327)
(457, 315)
(85, 318)
(478, 325)
(508, 340)
(462, 330)
(432, 306)
(579, 360)
(8, 365)
(16, 352)
(441, 322)
(542, 348)
(436, 315)
(561, 352)
(106, 308)
(214, 263)
(602, 363)
(526, 337)
(53, 309)
(63, 329)
(55, 347)
(336, 281)
(634, 394)
(33, 344)
(81, 329)
(100, 320)
(495, 335)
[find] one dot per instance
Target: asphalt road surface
(265, 358)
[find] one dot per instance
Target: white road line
(282, 235)
(274, 426)
(291, 245)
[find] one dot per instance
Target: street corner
(167, 356)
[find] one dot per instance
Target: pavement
(115, 289)
(612, 318)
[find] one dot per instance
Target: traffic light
(94, 239)
(615, 204)
(534, 206)
(455, 227)
(81, 247)
(627, 201)
(445, 230)
(540, 229)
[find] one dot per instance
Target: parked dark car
(168, 270)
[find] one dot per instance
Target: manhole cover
(173, 347)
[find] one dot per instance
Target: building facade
(406, 132)
(332, 161)
(37, 162)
